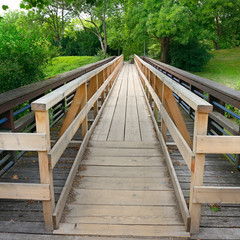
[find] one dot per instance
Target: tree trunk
(216, 46)
(165, 44)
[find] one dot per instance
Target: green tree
(24, 52)
(93, 17)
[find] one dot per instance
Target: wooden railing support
(46, 177)
(197, 169)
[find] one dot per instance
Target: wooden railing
(225, 118)
(15, 107)
(88, 89)
(160, 90)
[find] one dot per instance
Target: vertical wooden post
(83, 92)
(91, 90)
(163, 125)
(197, 169)
(46, 177)
(100, 82)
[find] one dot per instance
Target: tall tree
(96, 15)
(55, 13)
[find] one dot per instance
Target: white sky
(12, 4)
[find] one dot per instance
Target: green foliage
(191, 56)
(24, 53)
(60, 65)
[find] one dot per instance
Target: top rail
(13, 98)
(197, 103)
(227, 94)
(46, 102)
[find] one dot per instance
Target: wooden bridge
(124, 160)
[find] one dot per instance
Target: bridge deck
(122, 187)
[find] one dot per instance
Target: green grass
(224, 68)
(63, 64)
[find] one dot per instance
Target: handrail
(13, 98)
(46, 102)
(227, 94)
(97, 83)
(192, 99)
(216, 94)
(154, 86)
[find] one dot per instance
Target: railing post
(83, 92)
(197, 169)
(100, 82)
(163, 125)
(46, 176)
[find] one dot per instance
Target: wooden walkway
(124, 188)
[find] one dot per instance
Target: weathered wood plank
(123, 215)
(125, 161)
(107, 171)
(121, 230)
(125, 197)
(205, 194)
(23, 141)
(25, 191)
(114, 183)
(123, 152)
(218, 144)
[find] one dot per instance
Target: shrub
(190, 57)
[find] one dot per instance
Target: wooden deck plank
(125, 215)
(124, 197)
(121, 230)
(115, 152)
(132, 131)
(117, 128)
(122, 172)
(127, 183)
(125, 161)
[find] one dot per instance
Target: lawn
(63, 64)
(224, 68)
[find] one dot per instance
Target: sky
(12, 4)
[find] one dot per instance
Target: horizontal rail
(25, 191)
(218, 144)
(13, 98)
(182, 145)
(190, 98)
(217, 90)
(23, 141)
(65, 139)
(228, 195)
(46, 102)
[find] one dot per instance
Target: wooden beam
(189, 97)
(218, 144)
(23, 141)
(25, 191)
(223, 195)
(73, 110)
(182, 145)
(197, 169)
(46, 176)
(173, 110)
